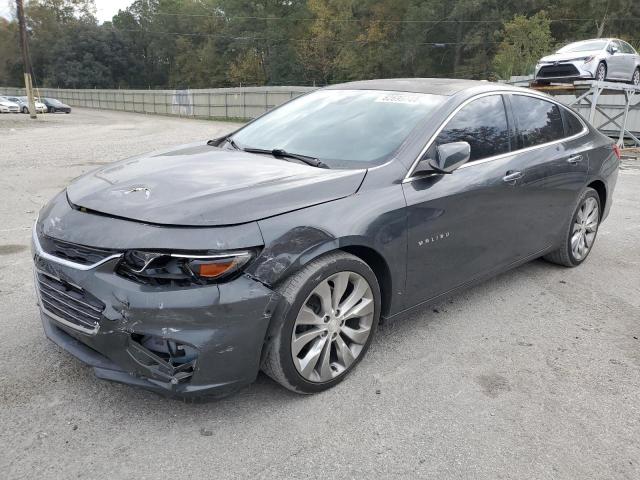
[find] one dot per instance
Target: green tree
(526, 39)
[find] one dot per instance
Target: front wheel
(601, 72)
(580, 235)
(25, 110)
(324, 324)
(635, 79)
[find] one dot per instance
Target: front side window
(626, 48)
(343, 128)
(538, 121)
(483, 124)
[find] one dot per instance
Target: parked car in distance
(280, 246)
(54, 106)
(24, 104)
(7, 106)
(599, 59)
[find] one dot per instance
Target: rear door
(629, 64)
(553, 159)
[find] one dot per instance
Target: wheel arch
(600, 187)
(380, 268)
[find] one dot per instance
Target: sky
(106, 9)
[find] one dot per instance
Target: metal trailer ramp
(607, 106)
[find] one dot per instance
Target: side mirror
(613, 49)
(449, 156)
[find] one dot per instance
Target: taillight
(617, 151)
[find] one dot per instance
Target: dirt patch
(11, 249)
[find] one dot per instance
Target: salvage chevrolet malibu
(281, 246)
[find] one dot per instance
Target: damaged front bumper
(181, 341)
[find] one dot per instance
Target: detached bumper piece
(165, 359)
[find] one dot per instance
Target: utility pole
(25, 58)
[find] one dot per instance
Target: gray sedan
(600, 59)
(281, 246)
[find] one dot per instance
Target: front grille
(69, 302)
(72, 252)
(561, 70)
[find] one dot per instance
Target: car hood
(563, 57)
(200, 185)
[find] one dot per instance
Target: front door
(466, 224)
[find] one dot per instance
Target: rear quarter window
(573, 125)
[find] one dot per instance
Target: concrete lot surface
(531, 375)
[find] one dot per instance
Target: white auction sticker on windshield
(398, 98)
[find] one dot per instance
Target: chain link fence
(241, 103)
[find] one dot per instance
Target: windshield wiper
(280, 153)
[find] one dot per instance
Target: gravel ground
(533, 374)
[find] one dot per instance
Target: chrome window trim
(66, 263)
(409, 176)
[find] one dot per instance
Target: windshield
(344, 128)
(584, 46)
(53, 101)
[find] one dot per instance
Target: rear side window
(538, 121)
(483, 124)
(573, 125)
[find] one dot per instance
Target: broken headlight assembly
(182, 269)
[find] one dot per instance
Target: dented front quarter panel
(374, 218)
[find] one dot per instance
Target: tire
(25, 110)
(601, 72)
(301, 290)
(635, 79)
(566, 255)
(51, 110)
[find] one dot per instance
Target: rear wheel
(324, 325)
(580, 235)
(601, 72)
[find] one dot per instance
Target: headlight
(182, 269)
(589, 59)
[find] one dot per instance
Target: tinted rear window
(538, 121)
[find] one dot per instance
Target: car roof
(435, 86)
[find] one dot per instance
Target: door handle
(512, 176)
(574, 159)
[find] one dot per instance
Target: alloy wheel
(585, 228)
(636, 77)
(332, 326)
(601, 74)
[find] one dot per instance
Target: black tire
(635, 78)
(601, 65)
(277, 359)
(25, 110)
(564, 255)
(51, 110)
